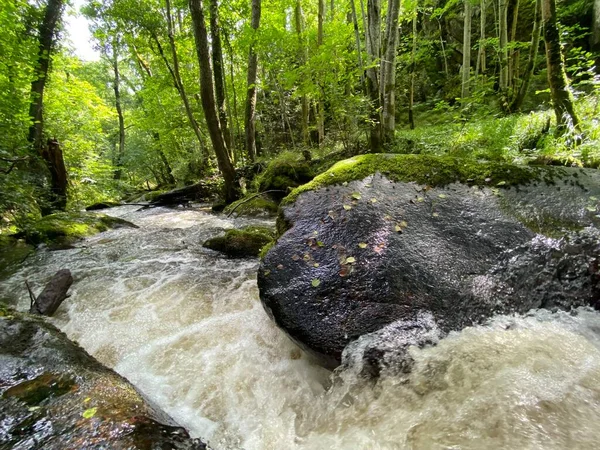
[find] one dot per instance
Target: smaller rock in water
(243, 243)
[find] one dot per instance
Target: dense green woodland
(188, 92)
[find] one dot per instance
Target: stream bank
(186, 327)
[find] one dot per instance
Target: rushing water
(186, 326)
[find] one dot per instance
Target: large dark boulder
(418, 246)
(54, 396)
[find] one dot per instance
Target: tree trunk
(480, 65)
(208, 102)
(388, 72)
(466, 62)
(358, 46)
(176, 75)
(533, 52)
(557, 78)
(217, 63)
(595, 36)
(47, 38)
(53, 157)
(503, 38)
(513, 61)
(302, 57)
(321, 103)
(373, 38)
(116, 87)
(250, 121)
(411, 98)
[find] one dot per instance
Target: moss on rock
(281, 175)
(67, 227)
(241, 243)
(426, 169)
(248, 206)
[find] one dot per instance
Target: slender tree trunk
(217, 63)
(595, 36)
(302, 57)
(533, 52)
(358, 46)
(373, 37)
(413, 70)
(557, 78)
(388, 72)
(321, 103)
(480, 65)
(118, 107)
(176, 75)
(47, 38)
(445, 58)
(466, 63)
(208, 101)
(513, 61)
(251, 86)
(503, 38)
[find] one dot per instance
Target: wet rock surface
(375, 253)
(53, 395)
(243, 243)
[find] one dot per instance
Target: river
(186, 326)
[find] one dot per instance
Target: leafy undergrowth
(518, 138)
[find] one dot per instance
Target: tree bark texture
(388, 72)
(207, 98)
(47, 38)
(250, 121)
(533, 52)
(595, 36)
(302, 57)
(481, 63)
(466, 62)
(217, 63)
(321, 103)
(562, 100)
(53, 157)
(118, 107)
(411, 98)
(373, 38)
(176, 75)
(503, 39)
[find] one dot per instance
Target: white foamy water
(186, 326)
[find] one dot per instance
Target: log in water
(185, 325)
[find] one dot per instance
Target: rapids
(186, 326)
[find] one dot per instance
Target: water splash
(186, 326)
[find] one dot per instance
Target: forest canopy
(196, 91)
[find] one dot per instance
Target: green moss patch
(241, 243)
(256, 206)
(66, 228)
(281, 175)
(428, 170)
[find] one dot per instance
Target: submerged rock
(427, 245)
(53, 395)
(241, 243)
